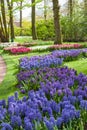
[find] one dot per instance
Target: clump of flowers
(22, 113)
(17, 50)
(37, 62)
(68, 55)
(66, 46)
(20, 50)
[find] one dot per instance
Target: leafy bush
(25, 31)
(45, 29)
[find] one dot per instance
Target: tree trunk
(4, 36)
(10, 8)
(70, 13)
(34, 36)
(21, 18)
(58, 39)
(45, 10)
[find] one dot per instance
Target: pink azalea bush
(66, 46)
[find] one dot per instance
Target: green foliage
(45, 29)
(25, 31)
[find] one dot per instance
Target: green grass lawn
(7, 87)
(79, 65)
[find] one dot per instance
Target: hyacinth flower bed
(66, 46)
(56, 97)
(37, 62)
(17, 50)
(54, 58)
(61, 103)
(70, 55)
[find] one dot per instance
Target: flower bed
(37, 62)
(17, 50)
(66, 46)
(53, 59)
(68, 55)
(57, 99)
(61, 102)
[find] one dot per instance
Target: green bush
(23, 31)
(45, 30)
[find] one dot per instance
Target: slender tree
(10, 8)
(34, 36)
(84, 28)
(4, 37)
(21, 17)
(58, 39)
(45, 9)
(70, 16)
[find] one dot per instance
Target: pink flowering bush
(20, 50)
(17, 50)
(66, 46)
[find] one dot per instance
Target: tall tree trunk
(70, 13)
(21, 17)
(10, 8)
(58, 39)
(34, 36)
(85, 21)
(1, 25)
(45, 10)
(5, 36)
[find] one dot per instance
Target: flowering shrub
(17, 50)
(66, 46)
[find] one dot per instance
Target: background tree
(45, 9)
(34, 36)
(85, 19)
(70, 17)
(4, 35)
(10, 9)
(58, 39)
(21, 17)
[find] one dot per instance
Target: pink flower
(66, 46)
(18, 50)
